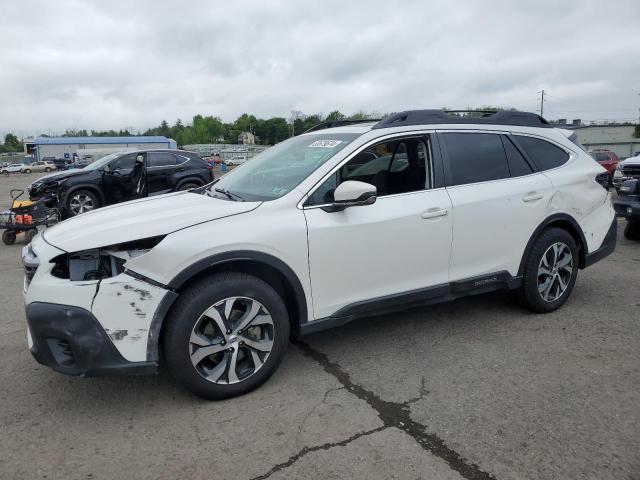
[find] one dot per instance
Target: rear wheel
(632, 230)
(82, 201)
(550, 272)
(26, 170)
(226, 335)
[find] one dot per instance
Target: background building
(67, 147)
(617, 138)
(247, 138)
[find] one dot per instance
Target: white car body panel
(378, 250)
(142, 218)
(125, 307)
(493, 221)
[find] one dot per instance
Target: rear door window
(544, 154)
(161, 159)
(475, 157)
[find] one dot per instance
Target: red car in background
(607, 159)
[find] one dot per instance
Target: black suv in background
(120, 177)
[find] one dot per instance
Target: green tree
(11, 143)
(335, 115)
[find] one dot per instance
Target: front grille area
(631, 170)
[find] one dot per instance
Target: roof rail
(339, 123)
(490, 117)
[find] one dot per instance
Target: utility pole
(541, 92)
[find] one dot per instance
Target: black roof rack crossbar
(339, 123)
(489, 117)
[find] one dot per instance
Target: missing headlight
(99, 263)
(87, 265)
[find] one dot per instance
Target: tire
(26, 170)
(8, 237)
(47, 169)
(81, 201)
(187, 186)
(543, 292)
(29, 234)
(199, 313)
(632, 230)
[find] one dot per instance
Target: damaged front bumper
(91, 327)
(70, 340)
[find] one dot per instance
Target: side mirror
(140, 159)
(352, 194)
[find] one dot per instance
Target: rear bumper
(607, 247)
(627, 206)
(71, 341)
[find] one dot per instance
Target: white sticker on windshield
(325, 143)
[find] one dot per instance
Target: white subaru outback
(346, 220)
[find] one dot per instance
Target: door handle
(434, 213)
(532, 197)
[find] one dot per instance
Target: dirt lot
(475, 389)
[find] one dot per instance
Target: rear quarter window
(544, 154)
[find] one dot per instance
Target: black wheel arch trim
(190, 179)
(556, 217)
(250, 256)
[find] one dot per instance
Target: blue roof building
(69, 147)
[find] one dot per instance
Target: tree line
(211, 129)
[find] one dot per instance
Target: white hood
(138, 219)
(631, 161)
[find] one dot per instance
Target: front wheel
(26, 170)
(47, 169)
(82, 201)
(226, 335)
(550, 271)
(632, 230)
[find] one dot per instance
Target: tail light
(603, 179)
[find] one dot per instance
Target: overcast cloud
(111, 64)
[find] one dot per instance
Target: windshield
(103, 161)
(276, 171)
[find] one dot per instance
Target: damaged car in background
(214, 279)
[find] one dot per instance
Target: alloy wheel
(555, 271)
(231, 340)
(81, 203)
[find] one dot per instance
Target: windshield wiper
(230, 195)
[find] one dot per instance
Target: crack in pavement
(392, 414)
(325, 446)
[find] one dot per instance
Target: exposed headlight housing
(99, 263)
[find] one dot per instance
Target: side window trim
(426, 137)
(509, 138)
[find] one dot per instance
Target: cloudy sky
(115, 64)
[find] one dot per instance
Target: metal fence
(226, 150)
